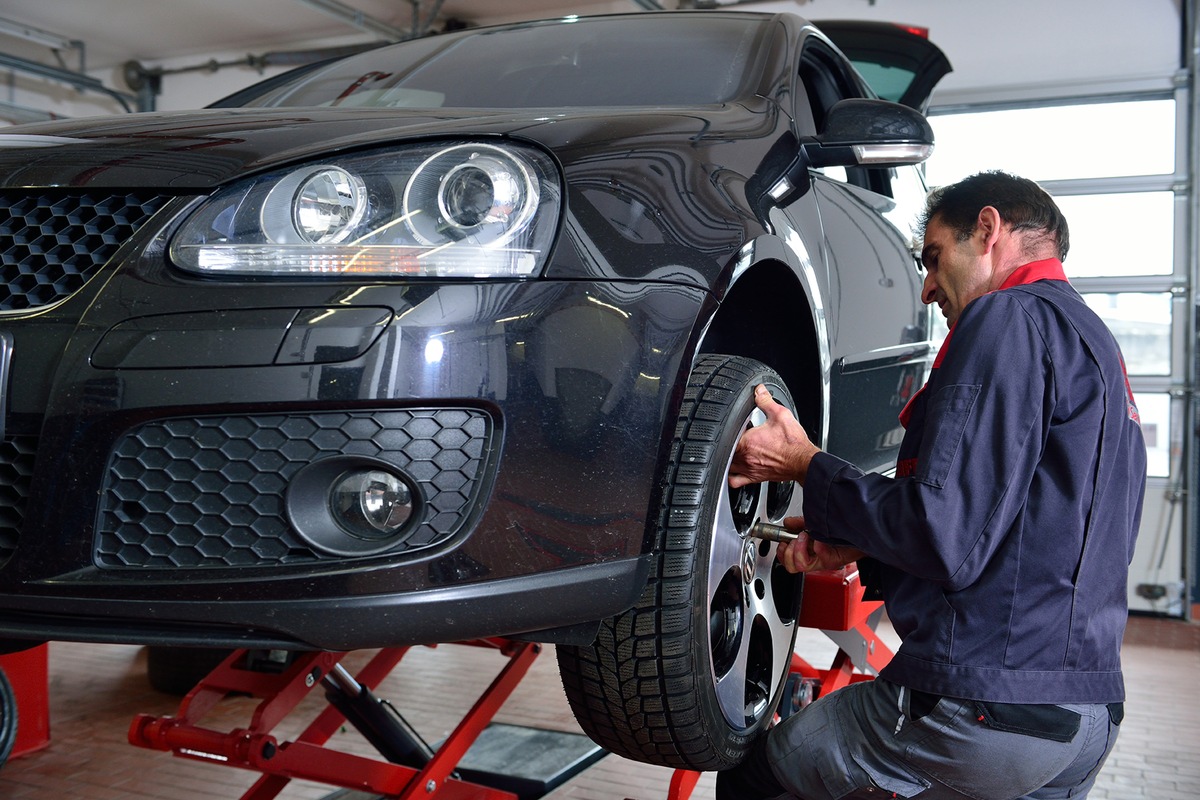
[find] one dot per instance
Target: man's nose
(929, 290)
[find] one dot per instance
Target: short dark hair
(1021, 203)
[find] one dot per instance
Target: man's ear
(987, 226)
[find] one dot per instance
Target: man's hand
(806, 554)
(778, 450)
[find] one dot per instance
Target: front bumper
(554, 606)
(151, 443)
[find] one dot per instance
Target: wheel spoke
(726, 547)
(751, 670)
(731, 688)
(767, 609)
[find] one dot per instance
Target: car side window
(827, 78)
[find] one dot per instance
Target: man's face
(956, 271)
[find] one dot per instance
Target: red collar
(1050, 269)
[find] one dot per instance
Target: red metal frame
(27, 674)
(833, 601)
(254, 747)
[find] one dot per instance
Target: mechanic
(1001, 546)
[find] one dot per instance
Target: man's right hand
(777, 450)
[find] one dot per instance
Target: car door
(879, 331)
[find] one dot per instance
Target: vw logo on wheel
(748, 558)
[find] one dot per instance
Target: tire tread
(625, 714)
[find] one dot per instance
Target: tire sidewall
(737, 741)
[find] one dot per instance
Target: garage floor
(95, 690)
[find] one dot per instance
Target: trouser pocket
(829, 751)
(995, 753)
(1055, 723)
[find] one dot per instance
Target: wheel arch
(768, 315)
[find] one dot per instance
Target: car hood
(197, 151)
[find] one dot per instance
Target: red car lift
(832, 602)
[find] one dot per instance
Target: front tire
(690, 676)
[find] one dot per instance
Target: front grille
(209, 491)
(16, 475)
(51, 244)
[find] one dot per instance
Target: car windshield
(598, 61)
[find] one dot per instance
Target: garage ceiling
(154, 30)
(1019, 48)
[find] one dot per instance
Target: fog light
(371, 504)
(354, 505)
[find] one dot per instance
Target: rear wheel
(691, 674)
(8, 718)
(177, 670)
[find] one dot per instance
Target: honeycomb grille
(51, 244)
(209, 492)
(16, 475)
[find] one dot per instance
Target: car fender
(777, 282)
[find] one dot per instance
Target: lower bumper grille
(16, 476)
(210, 491)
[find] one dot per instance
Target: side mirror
(868, 132)
(858, 132)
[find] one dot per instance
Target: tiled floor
(95, 690)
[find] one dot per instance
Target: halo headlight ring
(482, 193)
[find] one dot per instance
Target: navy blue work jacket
(1003, 542)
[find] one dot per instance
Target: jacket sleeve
(978, 443)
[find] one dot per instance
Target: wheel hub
(748, 561)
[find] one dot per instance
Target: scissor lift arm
(833, 602)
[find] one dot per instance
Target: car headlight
(451, 210)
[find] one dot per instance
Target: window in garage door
(1119, 170)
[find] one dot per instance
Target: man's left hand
(806, 554)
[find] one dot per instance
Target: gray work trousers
(862, 742)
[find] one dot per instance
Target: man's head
(976, 232)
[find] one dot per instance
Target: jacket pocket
(949, 411)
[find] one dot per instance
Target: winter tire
(690, 676)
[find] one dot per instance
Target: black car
(453, 338)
